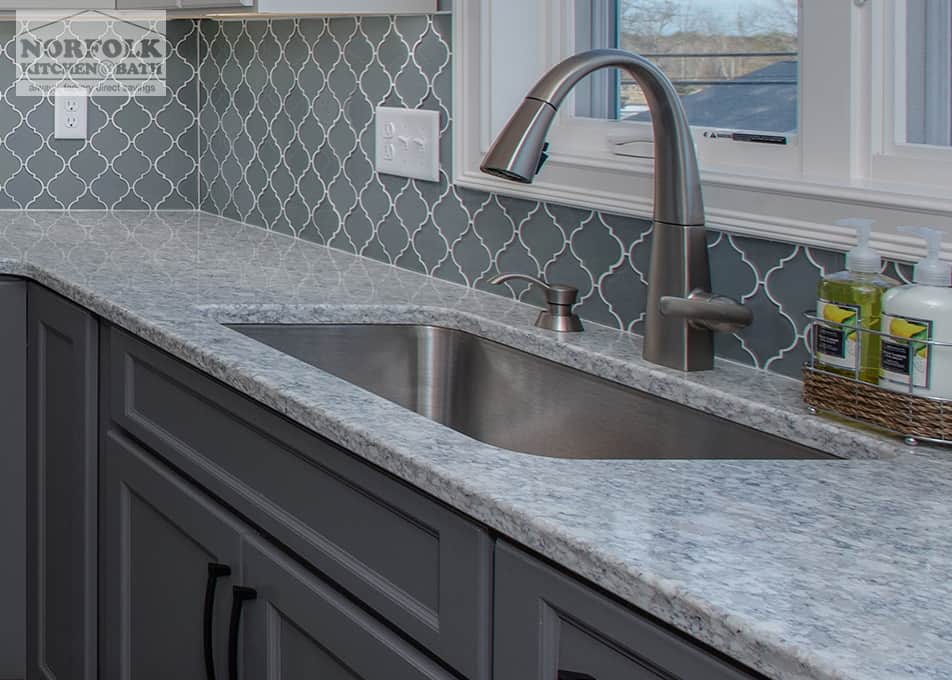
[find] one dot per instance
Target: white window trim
(825, 175)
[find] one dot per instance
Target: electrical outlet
(71, 121)
(408, 143)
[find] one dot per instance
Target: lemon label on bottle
(905, 359)
(836, 344)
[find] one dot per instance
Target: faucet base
(679, 266)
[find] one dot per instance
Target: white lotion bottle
(911, 314)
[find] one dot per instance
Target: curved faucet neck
(678, 197)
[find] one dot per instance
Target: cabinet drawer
(550, 626)
(418, 564)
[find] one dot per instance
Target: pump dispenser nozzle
(862, 259)
(931, 271)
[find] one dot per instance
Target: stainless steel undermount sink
(515, 400)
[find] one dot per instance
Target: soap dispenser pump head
(931, 271)
(862, 259)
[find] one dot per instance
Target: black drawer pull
(215, 572)
(240, 595)
(572, 675)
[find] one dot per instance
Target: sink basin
(515, 400)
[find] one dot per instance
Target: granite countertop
(799, 569)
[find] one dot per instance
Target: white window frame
(890, 159)
(836, 166)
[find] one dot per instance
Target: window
(858, 91)
(926, 93)
(911, 93)
(735, 63)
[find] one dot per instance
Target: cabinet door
(551, 626)
(417, 564)
(13, 479)
(298, 628)
(166, 551)
(61, 488)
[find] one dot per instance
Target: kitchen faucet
(682, 314)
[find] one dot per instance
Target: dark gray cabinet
(176, 571)
(168, 559)
(549, 625)
(62, 442)
(416, 563)
(13, 479)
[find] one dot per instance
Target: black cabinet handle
(572, 675)
(215, 572)
(240, 595)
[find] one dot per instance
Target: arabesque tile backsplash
(287, 143)
(271, 122)
(142, 153)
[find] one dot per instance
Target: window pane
(735, 62)
(929, 73)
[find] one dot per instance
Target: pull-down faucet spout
(682, 315)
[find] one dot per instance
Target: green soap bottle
(853, 298)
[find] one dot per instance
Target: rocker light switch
(408, 143)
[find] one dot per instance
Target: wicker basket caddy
(904, 414)
(913, 416)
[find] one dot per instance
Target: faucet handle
(708, 311)
(560, 298)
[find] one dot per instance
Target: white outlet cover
(71, 113)
(408, 143)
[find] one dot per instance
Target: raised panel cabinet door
(13, 479)
(62, 443)
(422, 567)
(287, 624)
(551, 626)
(169, 557)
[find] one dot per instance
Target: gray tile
(159, 133)
(567, 269)
(359, 228)
(596, 247)
(411, 207)
(626, 293)
(771, 330)
(450, 216)
(472, 256)
(393, 52)
(430, 245)
(431, 53)
(493, 226)
(393, 235)
(412, 87)
(731, 274)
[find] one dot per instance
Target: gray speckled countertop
(799, 569)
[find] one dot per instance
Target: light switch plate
(408, 143)
(71, 117)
